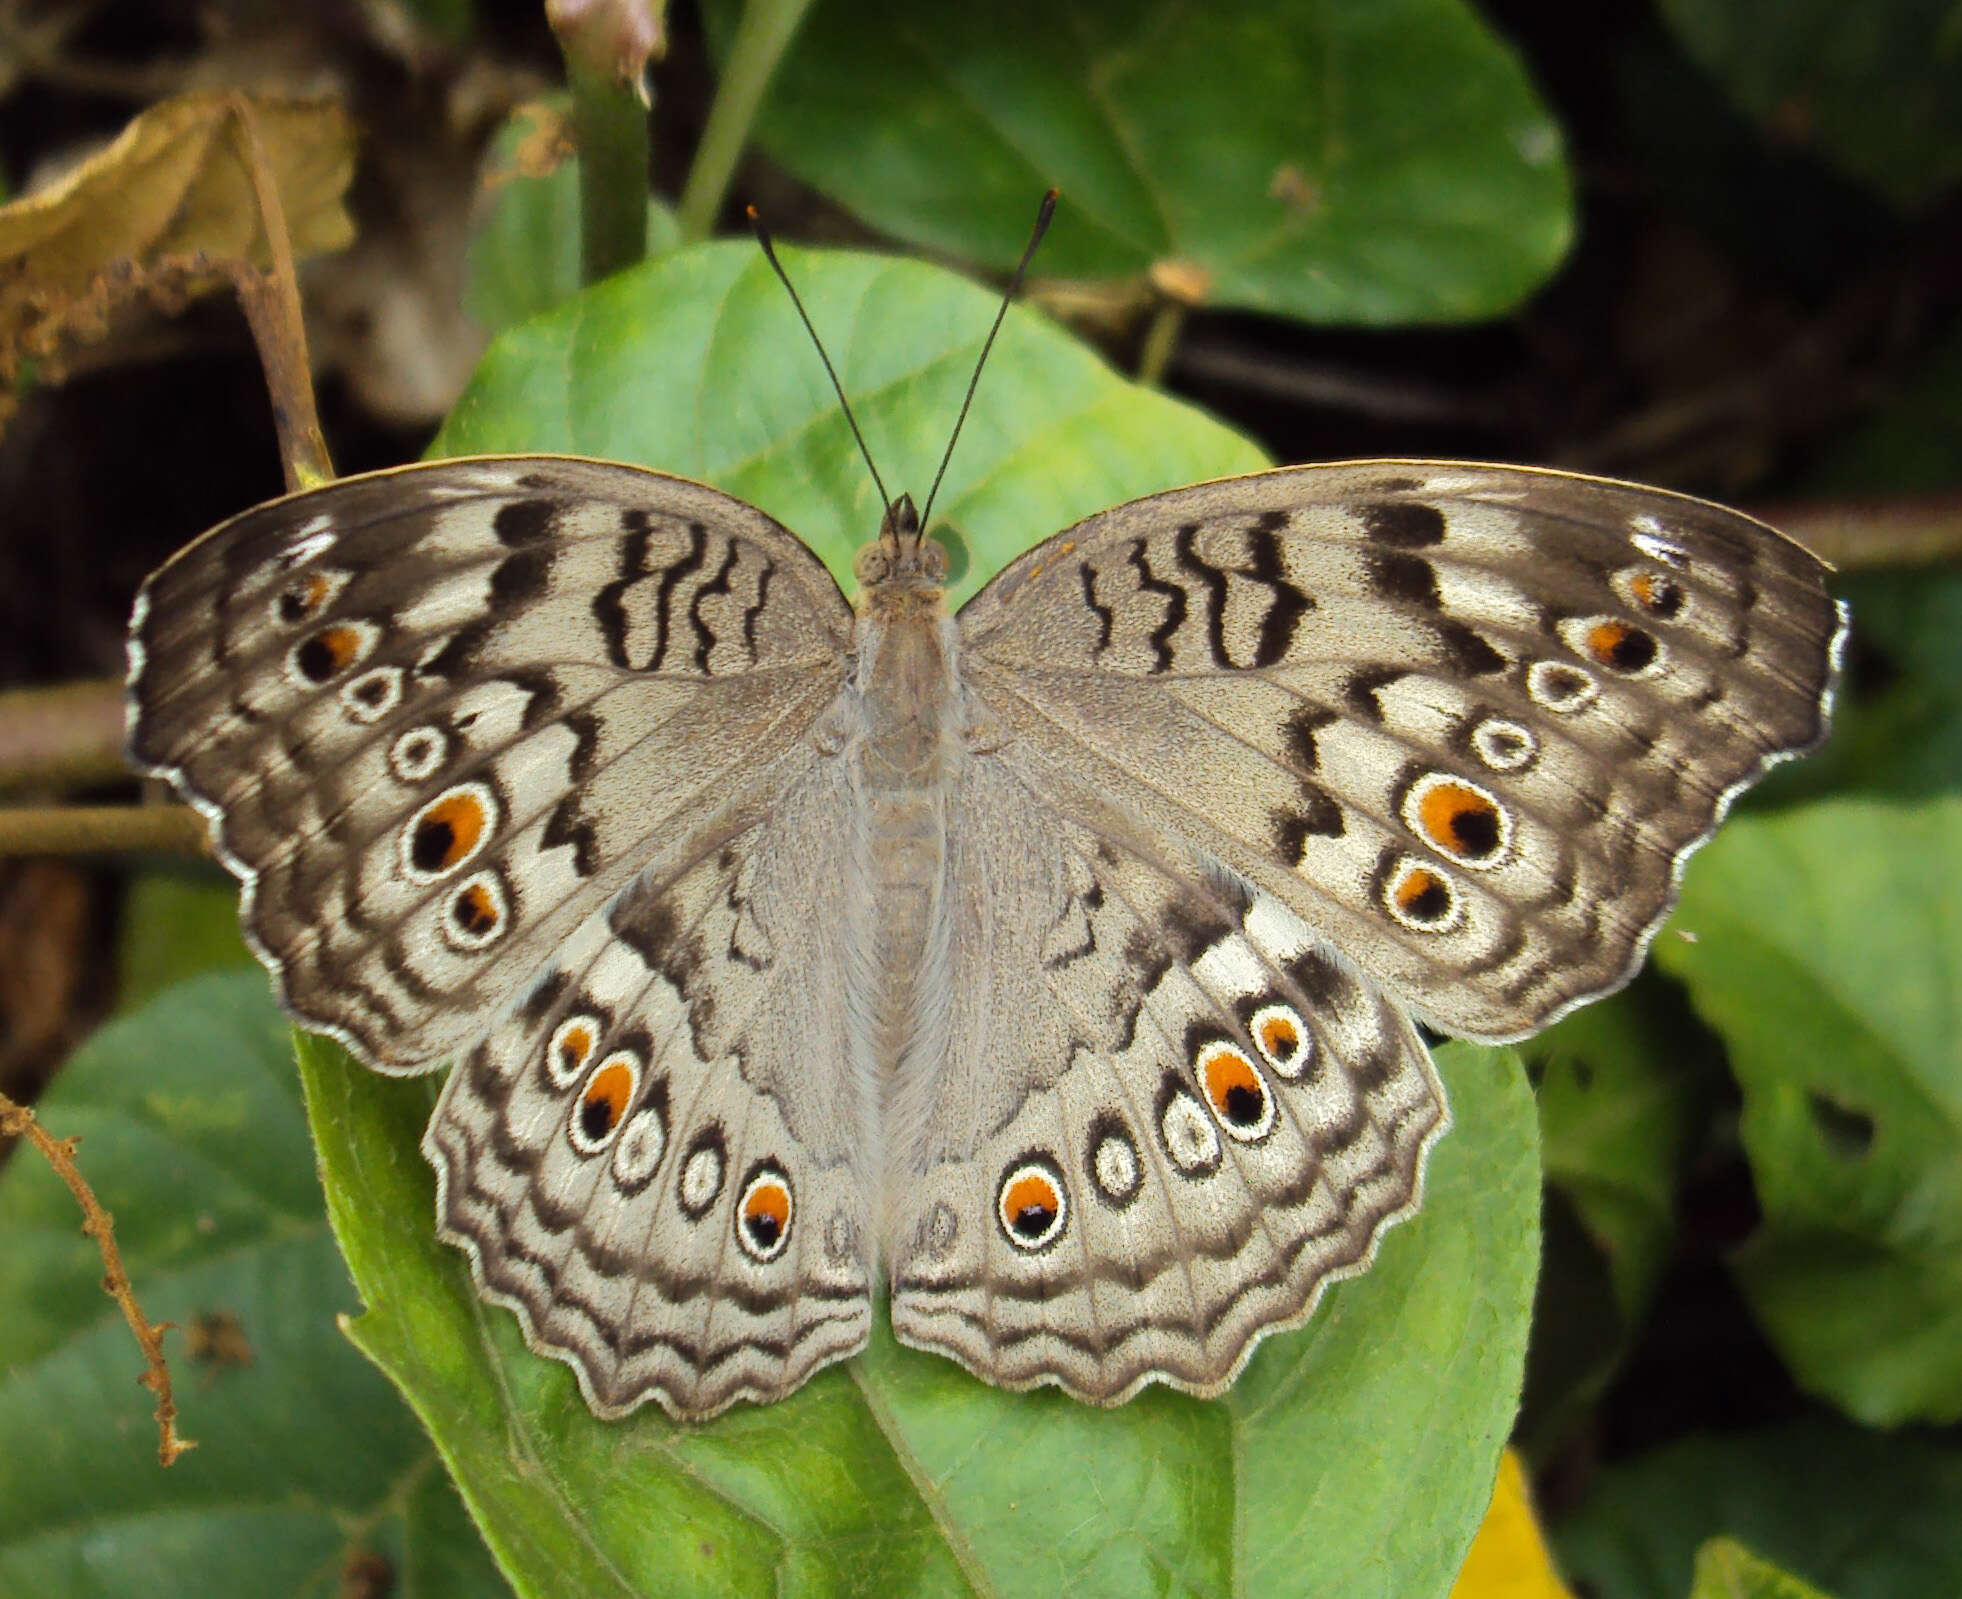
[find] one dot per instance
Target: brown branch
(272, 307)
(59, 738)
(101, 830)
(1904, 530)
(97, 1223)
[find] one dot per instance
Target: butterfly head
(901, 556)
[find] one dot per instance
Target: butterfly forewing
(438, 715)
(1466, 721)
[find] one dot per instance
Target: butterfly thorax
(902, 762)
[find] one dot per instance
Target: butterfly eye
(872, 564)
(1032, 1206)
(1236, 1092)
(763, 1214)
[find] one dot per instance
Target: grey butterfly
(1060, 961)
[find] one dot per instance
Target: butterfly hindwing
(1159, 1118)
(437, 716)
(1466, 721)
(656, 1159)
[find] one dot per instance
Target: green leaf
(1859, 1515)
(1828, 954)
(525, 258)
(1359, 1450)
(1725, 1569)
(177, 923)
(695, 363)
(193, 1137)
(1375, 161)
(1625, 1091)
(1877, 87)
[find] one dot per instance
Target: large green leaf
(1859, 1515)
(1358, 1451)
(1876, 86)
(1378, 161)
(306, 1463)
(695, 363)
(1828, 953)
(1355, 1454)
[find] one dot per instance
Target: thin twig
(61, 738)
(97, 1223)
(1160, 340)
(102, 830)
(272, 307)
(1897, 532)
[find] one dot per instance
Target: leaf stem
(762, 36)
(613, 132)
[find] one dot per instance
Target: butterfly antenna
(770, 254)
(1015, 283)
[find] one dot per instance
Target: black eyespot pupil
(1665, 599)
(763, 1229)
(596, 1118)
(1430, 902)
(315, 660)
(292, 607)
(1242, 1105)
(1476, 831)
(1632, 651)
(473, 914)
(430, 848)
(1032, 1221)
(372, 693)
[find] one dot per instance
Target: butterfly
(1059, 964)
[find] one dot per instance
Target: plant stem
(761, 38)
(612, 130)
(1161, 338)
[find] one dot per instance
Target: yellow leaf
(1508, 1558)
(175, 184)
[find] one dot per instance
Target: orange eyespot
(330, 652)
(1656, 594)
(1234, 1089)
(1032, 1206)
(1282, 1040)
(604, 1101)
(1460, 820)
(305, 599)
(571, 1047)
(1422, 899)
(763, 1214)
(447, 831)
(475, 911)
(1617, 645)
